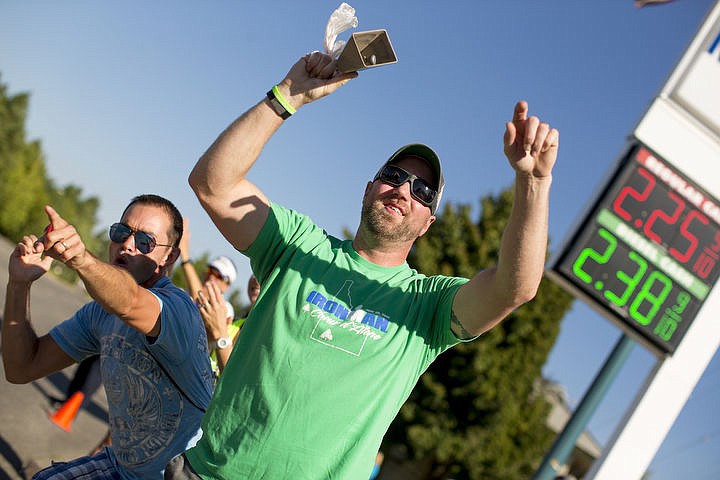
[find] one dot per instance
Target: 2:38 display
(634, 287)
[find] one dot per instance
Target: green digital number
(600, 258)
(683, 299)
(667, 324)
(631, 282)
(646, 295)
(670, 320)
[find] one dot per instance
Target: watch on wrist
(223, 342)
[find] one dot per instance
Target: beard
(376, 222)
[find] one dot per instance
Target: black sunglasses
(212, 271)
(419, 188)
(145, 242)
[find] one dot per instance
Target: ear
(429, 222)
(367, 188)
(172, 256)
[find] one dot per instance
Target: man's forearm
(236, 206)
(222, 356)
(114, 289)
(191, 276)
(19, 339)
(230, 157)
(27, 357)
(524, 242)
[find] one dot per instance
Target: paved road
(27, 436)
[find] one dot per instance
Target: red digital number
(631, 192)
(704, 265)
(684, 257)
(668, 219)
(708, 258)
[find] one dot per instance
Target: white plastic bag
(341, 19)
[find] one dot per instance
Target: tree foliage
(476, 411)
(25, 187)
(22, 182)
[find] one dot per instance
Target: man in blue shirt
(148, 333)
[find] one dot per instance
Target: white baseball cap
(225, 267)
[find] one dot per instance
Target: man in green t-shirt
(342, 330)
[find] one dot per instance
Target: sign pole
(565, 442)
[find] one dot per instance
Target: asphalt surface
(28, 439)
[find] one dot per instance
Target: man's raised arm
(236, 206)
(25, 356)
(531, 148)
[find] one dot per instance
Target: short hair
(176, 233)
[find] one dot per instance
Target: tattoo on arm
(458, 328)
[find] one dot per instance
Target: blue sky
(126, 96)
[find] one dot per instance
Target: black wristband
(183, 262)
(277, 105)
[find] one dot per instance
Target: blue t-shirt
(150, 420)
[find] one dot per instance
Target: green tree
(25, 187)
(22, 181)
(476, 412)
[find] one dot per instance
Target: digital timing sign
(647, 254)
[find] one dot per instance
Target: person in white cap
(217, 313)
(223, 269)
(343, 329)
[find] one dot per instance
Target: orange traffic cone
(67, 412)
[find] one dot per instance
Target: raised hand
(213, 311)
(531, 146)
(61, 241)
(27, 262)
(313, 76)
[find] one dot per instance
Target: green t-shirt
(331, 350)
